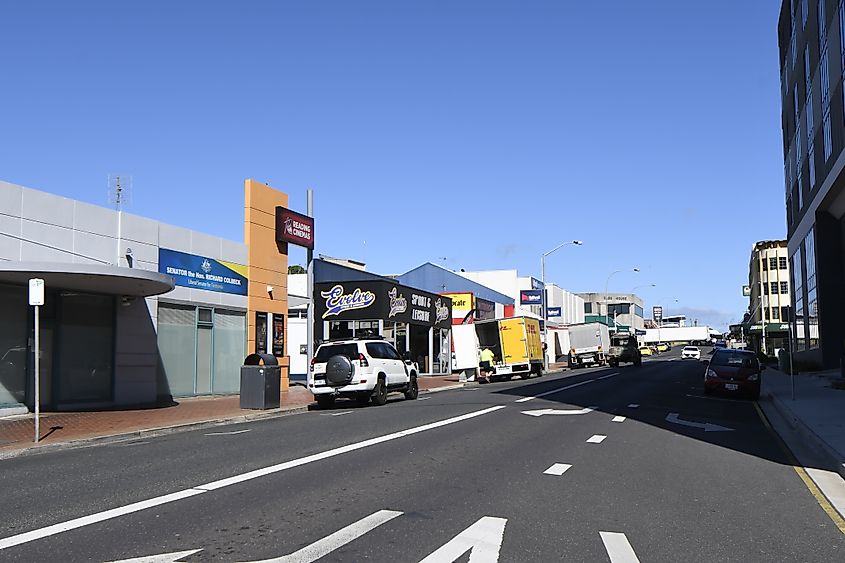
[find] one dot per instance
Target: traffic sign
(36, 291)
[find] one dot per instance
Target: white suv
(361, 369)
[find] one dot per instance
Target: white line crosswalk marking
(618, 548)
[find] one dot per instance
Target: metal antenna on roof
(120, 191)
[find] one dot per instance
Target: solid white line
(633, 406)
(618, 548)
(609, 375)
(40, 533)
(323, 547)
(618, 419)
(596, 439)
(341, 413)
(161, 558)
(214, 485)
(557, 469)
(228, 433)
(559, 389)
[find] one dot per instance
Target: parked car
(363, 369)
(662, 347)
(735, 372)
(646, 351)
(692, 352)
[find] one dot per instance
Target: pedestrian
(485, 366)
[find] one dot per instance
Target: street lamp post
(543, 281)
(606, 284)
(634, 293)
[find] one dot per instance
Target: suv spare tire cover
(338, 370)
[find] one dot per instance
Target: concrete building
(526, 291)
(626, 309)
(570, 305)
(811, 36)
(136, 311)
(770, 300)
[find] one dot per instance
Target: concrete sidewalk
(817, 412)
(64, 429)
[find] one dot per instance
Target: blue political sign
(554, 311)
(201, 272)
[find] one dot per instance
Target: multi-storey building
(770, 299)
(626, 309)
(812, 56)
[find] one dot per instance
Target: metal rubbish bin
(260, 384)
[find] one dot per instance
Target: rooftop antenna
(120, 191)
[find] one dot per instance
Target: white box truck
(589, 342)
(686, 335)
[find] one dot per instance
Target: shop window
(229, 350)
(13, 350)
(86, 348)
(177, 335)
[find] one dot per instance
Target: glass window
(376, 350)
(86, 348)
(828, 142)
(391, 352)
(773, 263)
(774, 288)
(765, 264)
(804, 10)
(765, 289)
(810, 258)
(734, 358)
(825, 79)
(784, 313)
(328, 350)
(842, 32)
(588, 308)
(13, 350)
(822, 25)
(782, 262)
(811, 165)
(775, 313)
(177, 340)
(229, 350)
(809, 114)
(784, 287)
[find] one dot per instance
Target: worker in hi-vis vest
(486, 364)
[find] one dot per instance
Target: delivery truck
(589, 343)
(516, 345)
(697, 335)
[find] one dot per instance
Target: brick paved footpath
(17, 432)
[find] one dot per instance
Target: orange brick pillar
(267, 263)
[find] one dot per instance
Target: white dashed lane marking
(618, 548)
(633, 406)
(557, 469)
(596, 439)
(618, 419)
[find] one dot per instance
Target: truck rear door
(514, 341)
(535, 343)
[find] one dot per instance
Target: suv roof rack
(353, 338)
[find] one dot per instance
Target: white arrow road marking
(163, 558)
(618, 548)
(40, 533)
(618, 419)
(596, 439)
(633, 406)
(541, 412)
(228, 433)
(706, 426)
(323, 547)
(558, 390)
(557, 469)
(484, 538)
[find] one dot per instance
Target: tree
(296, 269)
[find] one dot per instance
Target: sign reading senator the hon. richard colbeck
(200, 272)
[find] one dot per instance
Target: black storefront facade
(413, 320)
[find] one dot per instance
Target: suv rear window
(327, 351)
(734, 359)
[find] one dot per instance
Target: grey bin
(260, 384)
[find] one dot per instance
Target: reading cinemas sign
(294, 228)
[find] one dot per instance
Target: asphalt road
(681, 478)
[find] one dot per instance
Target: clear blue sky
(484, 132)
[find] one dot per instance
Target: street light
(606, 283)
(543, 281)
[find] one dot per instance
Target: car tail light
(363, 359)
(754, 377)
(313, 361)
(711, 373)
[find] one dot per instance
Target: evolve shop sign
(294, 228)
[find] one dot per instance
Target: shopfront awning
(91, 278)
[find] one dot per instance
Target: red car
(733, 371)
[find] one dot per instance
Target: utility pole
(309, 291)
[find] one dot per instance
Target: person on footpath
(486, 365)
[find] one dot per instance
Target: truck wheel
(380, 392)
